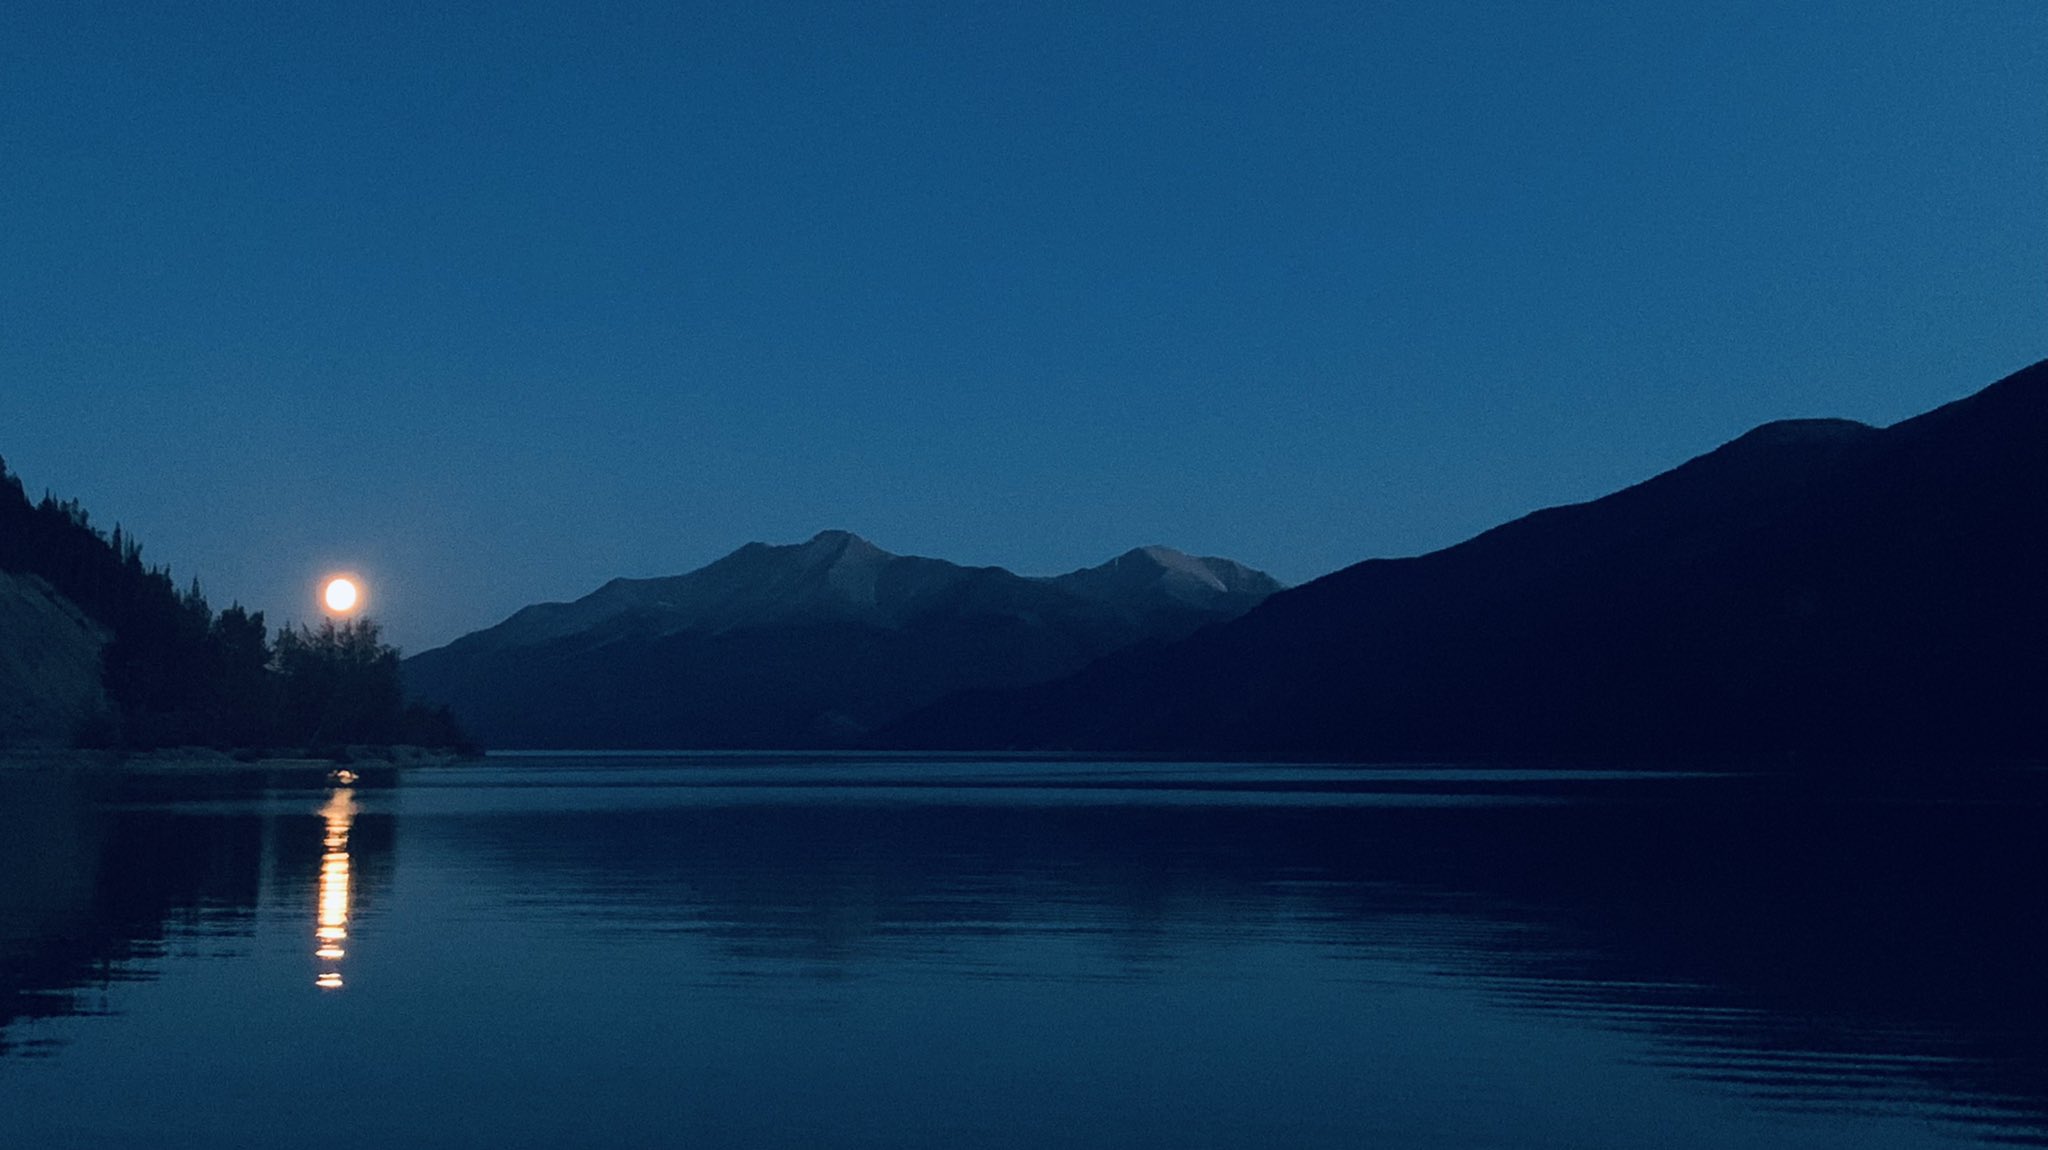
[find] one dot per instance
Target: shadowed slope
(1812, 587)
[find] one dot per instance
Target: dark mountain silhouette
(1814, 588)
(805, 645)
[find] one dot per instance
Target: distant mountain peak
(1206, 570)
(1148, 573)
(1794, 432)
(1158, 553)
(834, 537)
(829, 548)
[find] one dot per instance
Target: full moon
(341, 595)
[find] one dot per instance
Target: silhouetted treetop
(178, 674)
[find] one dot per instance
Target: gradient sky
(493, 305)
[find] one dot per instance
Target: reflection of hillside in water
(1807, 954)
(104, 873)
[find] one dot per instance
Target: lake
(756, 950)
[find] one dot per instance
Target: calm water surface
(762, 951)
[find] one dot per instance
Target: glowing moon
(341, 596)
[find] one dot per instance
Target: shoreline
(212, 759)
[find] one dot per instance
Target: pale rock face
(49, 665)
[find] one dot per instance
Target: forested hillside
(177, 673)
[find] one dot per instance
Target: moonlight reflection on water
(340, 813)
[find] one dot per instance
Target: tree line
(180, 674)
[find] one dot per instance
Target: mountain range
(807, 645)
(1813, 589)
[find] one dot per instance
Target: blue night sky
(493, 305)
